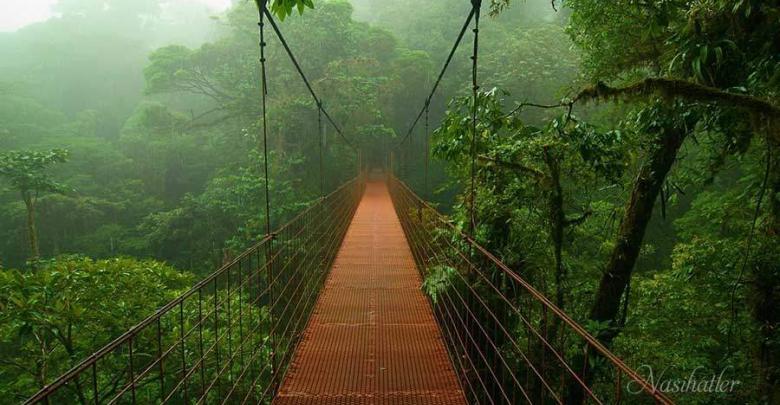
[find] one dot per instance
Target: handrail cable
(199, 287)
(538, 296)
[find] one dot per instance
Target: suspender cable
(262, 8)
(320, 142)
(305, 79)
(477, 4)
(408, 161)
(427, 151)
(265, 119)
(410, 153)
(441, 74)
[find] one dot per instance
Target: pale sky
(15, 14)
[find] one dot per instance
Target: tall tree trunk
(32, 231)
(639, 210)
(766, 293)
(615, 280)
(557, 218)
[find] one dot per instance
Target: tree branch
(208, 112)
(683, 89)
(579, 219)
(520, 107)
(192, 125)
(514, 166)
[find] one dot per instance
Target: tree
(27, 173)
(711, 53)
(53, 317)
(283, 8)
(684, 67)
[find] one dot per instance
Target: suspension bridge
(328, 309)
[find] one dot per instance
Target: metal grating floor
(372, 338)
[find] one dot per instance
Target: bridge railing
(230, 338)
(507, 341)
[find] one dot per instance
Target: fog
(96, 78)
(618, 155)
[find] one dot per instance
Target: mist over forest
(623, 161)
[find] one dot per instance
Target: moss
(672, 88)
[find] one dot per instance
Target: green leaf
(697, 69)
(704, 54)
(718, 55)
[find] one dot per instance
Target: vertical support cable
(262, 8)
(411, 160)
(427, 150)
(263, 5)
(476, 4)
(392, 163)
(320, 142)
(409, 155)
(401, 160)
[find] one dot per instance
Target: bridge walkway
(372, 338)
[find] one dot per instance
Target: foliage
(165, 162)
(207, 227)
(438, 281)
(26, 170)
(283, 8)
(55, 316)
(705, 237)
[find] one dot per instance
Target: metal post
(263, 5)
(477, 4)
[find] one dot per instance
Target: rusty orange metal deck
(372, 338)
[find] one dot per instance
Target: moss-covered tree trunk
(557, 218)
(638, 212)
(766, 293)
(32, 231)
